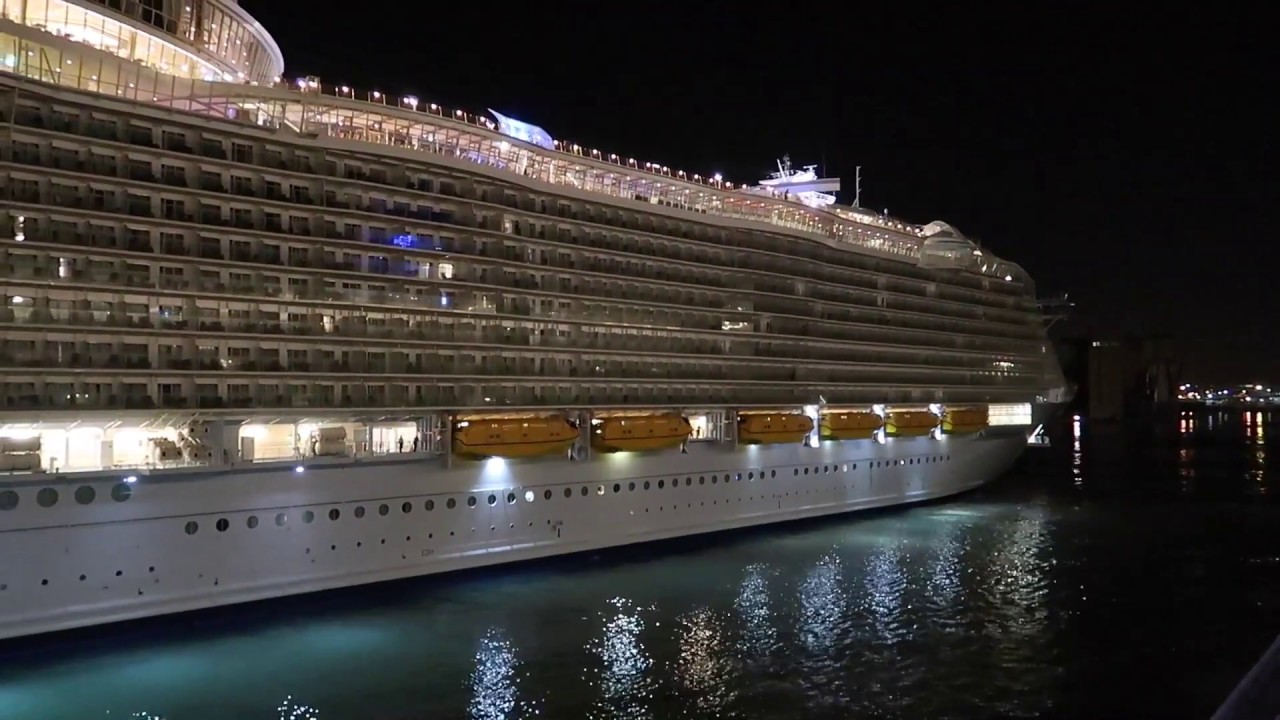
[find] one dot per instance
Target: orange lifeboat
(513, 437)
(841, 425)
(769, 428)
(961, 421)
(640, 432)
(910, 423)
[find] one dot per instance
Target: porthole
(631, 487)
(493, 499)
(806, 471)
(383, 509)
(528, 496)
(795, 471)
(429, 505)
(360, 511)
(585, 491)
(773, 473)
(688, 481)
(406, 507)
(222, 524)
(451, 503)
(546, 495)
(8, 500)
(511, 497)
(715, 479)
(568, 492)
(646, 484)
(85, 494)
(121, 492)
(191, 527)
(281, 519)
(252, 522)
(660, 484)
(751, 476)
(599, 489)
(471, 501)
(47, 497)
(702, 479)
(617, 488)
(308, 516)
(334, 513)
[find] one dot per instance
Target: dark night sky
(1124, 160)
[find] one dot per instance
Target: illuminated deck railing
(343, 112)
(405, 122)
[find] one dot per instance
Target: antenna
(857, 185)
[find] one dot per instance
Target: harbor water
(1123, 572)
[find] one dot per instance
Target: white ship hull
(188, 541)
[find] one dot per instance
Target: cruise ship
(263, 337)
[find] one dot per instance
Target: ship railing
(339, 396)
(806, 218)
(838, 224)
(255, 105)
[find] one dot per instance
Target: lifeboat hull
(916, 423)
(773, 429)
(849, 425)
(965, 421)
(640, 433)
(515, 438)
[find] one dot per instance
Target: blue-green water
(1136, 575)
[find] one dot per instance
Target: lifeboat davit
(910, 423)
(640, 432)
(513, 437)
(767, 429)
(962, 421)
(840, 425)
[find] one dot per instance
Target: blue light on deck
(405, 240)
(531, 134)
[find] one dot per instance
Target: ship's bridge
(192, 39)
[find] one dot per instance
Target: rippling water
(1118, 574)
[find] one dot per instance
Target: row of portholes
(45, 582)
(223, 524)
(48, 497)
(406, 507)
(120, 492)
(910, 461)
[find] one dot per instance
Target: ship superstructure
(264, 337)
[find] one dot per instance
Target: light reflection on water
(704, 664)
(1036, 597)
(493, 683)
(625, 686)
(822, 606)
(759, 637)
